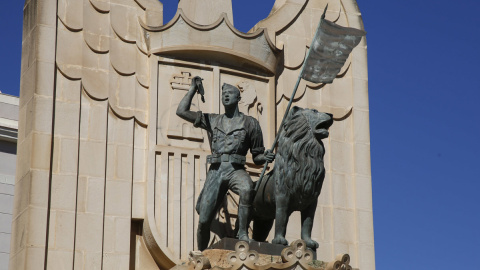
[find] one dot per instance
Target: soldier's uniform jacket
(231, 144)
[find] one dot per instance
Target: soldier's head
(230, 95)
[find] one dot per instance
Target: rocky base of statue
(295, 256)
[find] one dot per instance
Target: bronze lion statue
(296, 180)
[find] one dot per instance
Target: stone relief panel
(179, 128)
(173, 83)
(249, 105)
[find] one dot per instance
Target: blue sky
(424, 86)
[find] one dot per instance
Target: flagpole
(257, 185)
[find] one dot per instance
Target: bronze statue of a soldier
(231, 135)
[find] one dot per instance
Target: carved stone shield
(178, 151)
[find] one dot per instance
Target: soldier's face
(230, 97)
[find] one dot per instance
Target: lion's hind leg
(261, 229)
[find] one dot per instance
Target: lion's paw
(311, 244)
(280, 240)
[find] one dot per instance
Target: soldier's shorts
(221, 178)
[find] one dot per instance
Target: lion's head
(299, 163)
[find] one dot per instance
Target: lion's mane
(299, 169)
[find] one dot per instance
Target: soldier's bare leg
(242, 184)
(207, 206)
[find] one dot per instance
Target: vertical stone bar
(161, 205)
(37, 93)
(63, 192)
(188, 205)
(170, 199)
(139, 173)
(362, 167)
(175, 205)
(182, 232)
(91, 183)
(118, 193)
(198, 170)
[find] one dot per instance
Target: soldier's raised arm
(183, 109)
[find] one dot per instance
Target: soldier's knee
(203, 226)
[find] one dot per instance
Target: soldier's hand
(269, 156)
(193, 85)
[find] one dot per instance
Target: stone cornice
(182, 35)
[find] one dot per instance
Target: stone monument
(108, 175)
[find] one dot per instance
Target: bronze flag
(329, 51)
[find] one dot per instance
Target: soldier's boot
(243, 221)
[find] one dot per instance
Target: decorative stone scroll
(296, 256)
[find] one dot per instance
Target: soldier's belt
(232, 158)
